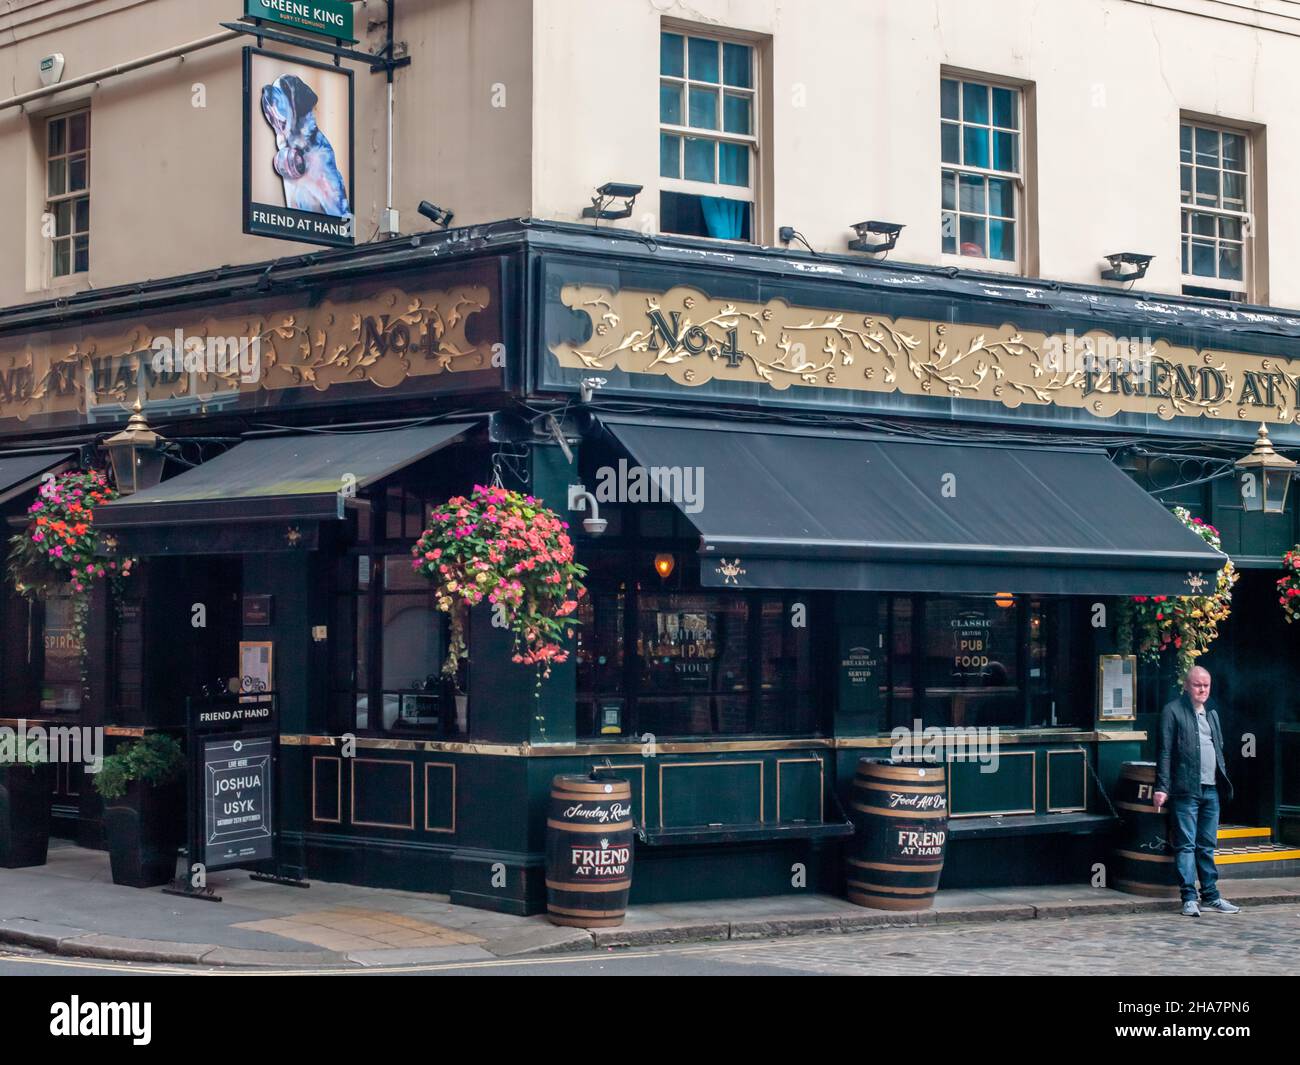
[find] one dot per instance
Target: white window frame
(1015, 265)
(71, 197)
(742, 193)
(1246, 216)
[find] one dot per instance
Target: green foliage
(32, 754)
(157, 759)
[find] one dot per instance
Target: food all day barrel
(900, 811)
(1144, 859)
(588, 851)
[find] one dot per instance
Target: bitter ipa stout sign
(237, 817)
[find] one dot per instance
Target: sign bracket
(379, 63)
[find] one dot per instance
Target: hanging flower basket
(59, 552)
(508, 550)
(1183, 624)
(1288, 587)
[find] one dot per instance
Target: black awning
(301, 477)
(807, 508)
(19, 473)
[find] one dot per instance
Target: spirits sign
(328, 18)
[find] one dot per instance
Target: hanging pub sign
(328, 18)
(237, 805)
(298, 149)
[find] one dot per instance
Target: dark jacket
(1178, 765)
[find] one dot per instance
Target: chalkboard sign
(237, 801)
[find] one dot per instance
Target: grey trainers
(1223, 906)
(1191, 909)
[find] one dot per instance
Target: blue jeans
(1195, 823)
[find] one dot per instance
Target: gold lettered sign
(177, 360)
(684, 335)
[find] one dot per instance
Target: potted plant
(26, 783)
(143, 809)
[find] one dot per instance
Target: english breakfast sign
(687, 336)
(298, 150)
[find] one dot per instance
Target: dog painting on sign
(305, 158)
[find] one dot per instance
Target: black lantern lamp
(1265, 477)
(136, 454)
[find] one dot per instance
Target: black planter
(25, 795)
(144, 828)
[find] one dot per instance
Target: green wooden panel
(1011, 789)
(383, 792)
(696, 793)
(799, 789)
(327, 789)
(634, 774)
(439, 797)
(1067, 787)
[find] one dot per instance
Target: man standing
(1188, 771)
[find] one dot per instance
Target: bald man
(1189, 773)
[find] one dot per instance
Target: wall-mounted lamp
(136, 454)
(1005, 600)
(607, 194)
(435, 214)
(581, 499)
(874, 237)
(664, 565)
(1136, 261)
(1265, 477)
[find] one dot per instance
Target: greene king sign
(329, 18)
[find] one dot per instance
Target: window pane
(1004, 109)
(1207, 187)
(704, 109)
(949, 190)
(951, 136)
(1002, 239)
(670, 55)
(670, 152)
(975, 146)
(62, 258)
(670, 105)
(975, 100)
(1006, 152)
(971, 663)
(1234, 151)
(58, 136)
(63, 218)
(77, 173)
(972, 236)
(1204, 225)
(1230, 228)
(77, 129)
(1234, 190)
(737, 65)
(736, 114)
(1185, 144)
(949, 102)
(703, 60)
(400, 575)
(58, 183)
(1186, 253)
(1230, 261)
(949, 233)
(1207, 147)
(699, 159)
(81, 254)
(412, 644)
(1185, 181)
(1203, 258)
(1002, 198)
(972, 194)
(733, 164)
(82, 219)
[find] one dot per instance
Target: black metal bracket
(378, 63)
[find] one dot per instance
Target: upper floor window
(1215, 181)
(67, 191)
(982, 180)
(708, 141)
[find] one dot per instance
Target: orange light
(664, 565)
(1004, 599)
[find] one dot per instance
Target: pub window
(708, 136)
(61, 678)
(982, 182)
(67, 192)
(1214, 168)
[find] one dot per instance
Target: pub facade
(852, 507)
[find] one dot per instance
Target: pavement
(71, 907)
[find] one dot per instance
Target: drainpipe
(179, 52)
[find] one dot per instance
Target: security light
(435, 214)
(607, 194)
(1139, 261)
(875, 237)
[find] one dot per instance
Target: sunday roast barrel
(588, 851)
(900, 812)
(1144, 859)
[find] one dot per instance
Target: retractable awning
(269, 480)
(806, 508)
(19, 473)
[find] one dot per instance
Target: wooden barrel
(900, 811)
(588, 851)
(1144, 859)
